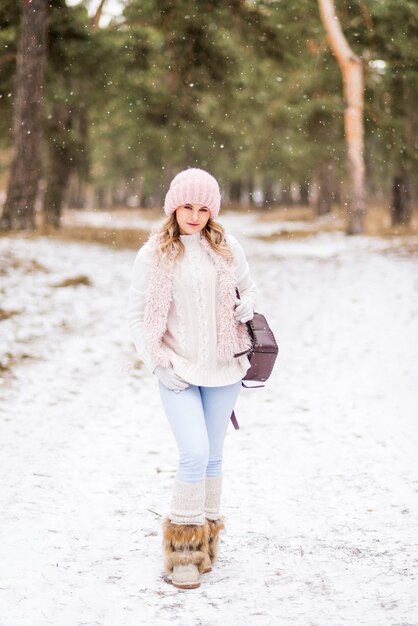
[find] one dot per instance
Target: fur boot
(215, 526)
(185, 546)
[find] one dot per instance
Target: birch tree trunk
(18, 211)
(353, 87)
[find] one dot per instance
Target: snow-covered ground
(320, 483)
(247, 222)
(109, 219)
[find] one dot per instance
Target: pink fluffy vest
(232, 336)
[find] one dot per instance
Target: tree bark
(268, 193)
(325, 184)
(76, 196)
(304, 192)
(402, 150)
(235, 190)
(61, 156)
(286, 195)
(353, 87)
(19, 208)
(401, 200)
(250, 187)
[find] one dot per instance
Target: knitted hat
(194, 186)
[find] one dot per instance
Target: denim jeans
(199, 417)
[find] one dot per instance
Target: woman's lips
(188, 223)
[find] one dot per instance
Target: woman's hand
(171, 380)
(244, 311)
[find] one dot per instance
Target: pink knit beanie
(194, 186)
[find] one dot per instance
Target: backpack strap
(252, 386)
(234, 420)
(244, 352)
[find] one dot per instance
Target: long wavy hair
(170, 246)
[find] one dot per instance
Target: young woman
(187, 323)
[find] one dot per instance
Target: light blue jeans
(199, 418)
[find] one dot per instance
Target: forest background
(250, 91)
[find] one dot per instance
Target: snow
(112, 9)
(320, 482)
(108, 219)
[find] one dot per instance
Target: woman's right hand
(171, 380)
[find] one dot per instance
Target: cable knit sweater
(191, 335)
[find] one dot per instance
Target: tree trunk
(61, 158)
(251, 191)
(19, 208)
(304, 192)
(286, 195)
(402, 150)
(325, 184)
(401, 205)
(353, 87)
(268, 193)
(83, 157)
(77, 191)
(57, 184)
(235, 191)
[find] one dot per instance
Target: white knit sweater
(190, 339)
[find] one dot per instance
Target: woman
(187, 324)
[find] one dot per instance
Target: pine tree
(19, 208)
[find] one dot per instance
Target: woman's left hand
(244, 311)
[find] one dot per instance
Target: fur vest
(232, 335)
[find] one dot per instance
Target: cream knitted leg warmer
(214, 519)
(213, 492)
(187, 504)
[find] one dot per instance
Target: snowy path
(321, 484)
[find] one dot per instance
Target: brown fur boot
(185, 546)
(215, 526)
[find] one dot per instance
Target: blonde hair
(170, 246)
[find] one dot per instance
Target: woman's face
(192, 218)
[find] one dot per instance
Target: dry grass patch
(8, 361)
(301, 233)
(280, 213)
(378, 224)
(285, 235)
(112, 237)
(131, 238)
(74, 282)
(303, 216)
(9, 261)
(5, 315)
